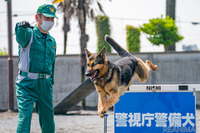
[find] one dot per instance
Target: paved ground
(76, 122)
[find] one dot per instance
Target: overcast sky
(132, 12)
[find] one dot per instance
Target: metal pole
(105, 123)
(10, 60)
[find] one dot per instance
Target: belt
(34, 75)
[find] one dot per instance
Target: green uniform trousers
(39, 91)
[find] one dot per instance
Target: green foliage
(102, 28)
(3, 52)
(162, 31)
(133, 39)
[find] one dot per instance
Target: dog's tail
(151, 65)
(121, 52)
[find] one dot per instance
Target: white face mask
(46, 25)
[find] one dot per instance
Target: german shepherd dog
(113, 79)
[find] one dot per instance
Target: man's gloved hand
(25, 24)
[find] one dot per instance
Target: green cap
(47, 10)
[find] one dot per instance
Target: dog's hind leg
(142, 70)
(152, 66)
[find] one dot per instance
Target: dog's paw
(101, 115)
(103, 112)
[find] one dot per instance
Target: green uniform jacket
(37, 53)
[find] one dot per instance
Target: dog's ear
(88, 54)
(102, 53)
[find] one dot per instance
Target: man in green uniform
(37, 52)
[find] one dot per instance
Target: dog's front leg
(102, 99)
(114, 98)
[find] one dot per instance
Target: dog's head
(95, 64)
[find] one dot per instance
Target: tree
(133, 39)
(162, 31)
(102, 28)
(66, 7)
(80, 9)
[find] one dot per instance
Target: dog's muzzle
(93, 75)
(88, 74)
